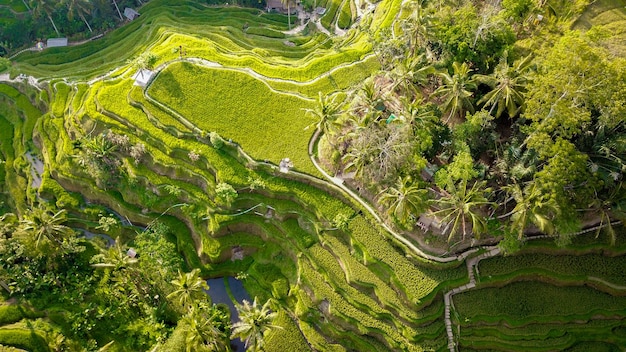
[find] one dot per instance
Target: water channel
(219, 294)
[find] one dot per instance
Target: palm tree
(80, 8)
(115, 257)
(410, 72)
(460, 204)
(288, 3)
(531, 207)
(253, 323)
(118, 10)
(508, 85)
(202, 330)
(610, 206)
(418, 26)
(47, 7)
(456, 90)
(187, 287)
(404, 199)
(606, 148)
(327, 110)
(365, 98)
(43, 226)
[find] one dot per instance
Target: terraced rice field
(609, 18)
(345, 289)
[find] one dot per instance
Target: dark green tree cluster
(66, 18)
(486, 135)
(139, 298)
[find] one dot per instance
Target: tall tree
(410, 72)
(456, 90)
(508, 85)
(80, 8)
(417, 27)
(326, 111)
(460, 205)
(203, 331)
(288, 3)
(46, 7)
(43, 226)
(187, 287)
(118, 10)
(254, 322)
(404, 200)
(531, 207)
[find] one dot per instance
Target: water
(89, 235)
(217, 292)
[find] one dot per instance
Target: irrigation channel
(227, 290)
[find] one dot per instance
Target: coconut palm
(187, 287)
(115, 257)
(609, 207)
(326, 111)
(456, 90)
(365, 99)
(46, 7)
(80, 8)
(288, 3)
(418, 26)
(254, 322)
(532, 207)
(404, 199)
(43, 226)
(460, 205)
(202, 330)
(606, 148)
(118, 10)
(410, 72)
(508, 85)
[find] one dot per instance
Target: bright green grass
(266, 124)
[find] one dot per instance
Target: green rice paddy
(338, 289)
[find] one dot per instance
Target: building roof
(142, 77)
(131, 14)
(275, 5)
(52, 42)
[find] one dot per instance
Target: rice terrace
(312, 175)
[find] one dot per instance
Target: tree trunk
(289, 14)
(118, 10)
(54, 26)
(87, 23)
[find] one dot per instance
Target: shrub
(216, 140)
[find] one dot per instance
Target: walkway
(447, 297)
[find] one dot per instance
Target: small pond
(218, 293)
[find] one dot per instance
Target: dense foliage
(521, 117)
